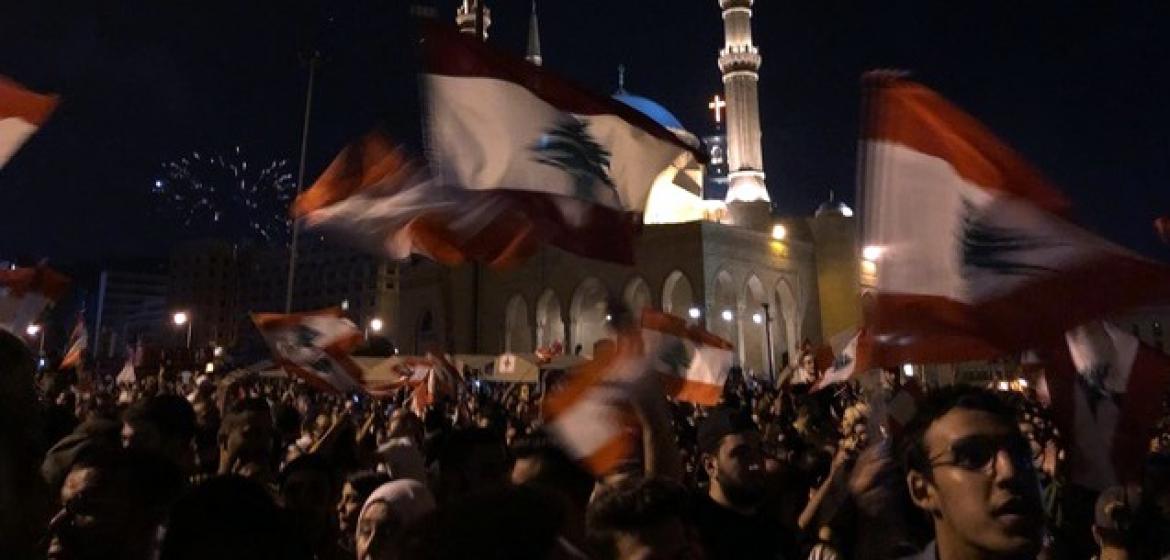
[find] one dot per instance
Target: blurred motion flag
(22, 112)
(518, 157)
(1162, 226)
(975, 255)
(24, 293)
(78, 342)
(588, 413)
(693, 362)
(314, 346)
(1107, 389)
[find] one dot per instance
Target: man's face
(738, 468)
(95, 520)
(250, 438)
(663, 541)
(981, 488)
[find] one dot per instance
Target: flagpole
(296, 226)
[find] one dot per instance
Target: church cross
(717, 104)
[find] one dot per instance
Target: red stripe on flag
(29, 106)
(912, 115)
(928, 329)
(372, 159)
(676, 326)
(40, 279)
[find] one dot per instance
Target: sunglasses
(978, 452)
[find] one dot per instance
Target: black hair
(557, 470)
(936, 404)
(308, 462)
(365, 482)
(241, 407)
(171, 415)
(634, 505)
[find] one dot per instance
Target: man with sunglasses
(970, 470)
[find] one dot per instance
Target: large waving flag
(694, 362)
(314, 346)
(22, 112)
(1111, 400)
(519, 157)
(78, 343)
(975, 255)
(24, 293)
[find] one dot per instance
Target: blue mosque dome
(650, 108)
(643, 105)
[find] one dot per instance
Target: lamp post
(771, 349)
(181, 318)
(38, 331)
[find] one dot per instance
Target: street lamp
(375, 325)
(779, 232)
(181, 318)
(727, 316)
(34, 330)
(693, 312)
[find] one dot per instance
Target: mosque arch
(550, 324)
(753, 335)
(637, 296)
(724, 307)
(678, 296)
(785, 323)
(587, 315)
(517, 331)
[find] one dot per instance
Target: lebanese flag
(517, 157)
(314, 346)
(588, 414)
(1108, 387)
(976, 256)
(854, 358)
(693, 362)
(78, 342)
(24, 293)
(22, 112)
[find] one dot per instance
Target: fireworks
(224, 195)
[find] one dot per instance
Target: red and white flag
(24, 293)
(588, 414)
(78, 343)
(314, 346)
(519, 157)
(975, 255)
(22, 112)
(1112, 400)
(849, 359)
(693, 362)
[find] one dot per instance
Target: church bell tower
(739, 62)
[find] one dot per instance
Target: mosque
(712, 251)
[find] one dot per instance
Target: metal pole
(189, 323)
(296, 228)
(771, 349)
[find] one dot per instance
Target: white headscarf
(407, 499)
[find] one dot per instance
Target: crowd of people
(248, 467)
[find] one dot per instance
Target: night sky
(1079, 88)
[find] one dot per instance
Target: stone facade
(714, 274)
